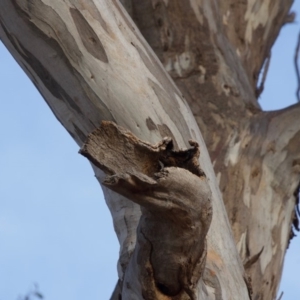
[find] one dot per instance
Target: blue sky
(55, 228)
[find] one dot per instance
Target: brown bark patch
(93, 10)
(88, 36)
(150, 124)
(44, 18)
(175, 200)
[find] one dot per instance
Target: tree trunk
(90, 63)
(214, 54)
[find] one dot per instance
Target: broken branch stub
(175, 200)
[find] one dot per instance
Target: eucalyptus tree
(162, 97)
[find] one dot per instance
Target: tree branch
(265, 161)
(261, 86)
(245, 24)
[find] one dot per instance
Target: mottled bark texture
(90, 63)
(214, 51)
(175, 200)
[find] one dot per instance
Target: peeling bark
(175, 197)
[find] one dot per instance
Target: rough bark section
(83, 88)
(214, 52)
(176, 206)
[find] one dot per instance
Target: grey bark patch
(90, 6)
(164, 131)
(211, 280)
(252, 260)
(48, 80)
(150, 124)
(46, 19)
(128, 5)
(72, 135)
(116, 295)
(88, 36)
(193, 134)
(79, 133)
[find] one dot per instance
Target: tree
(91, 64)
